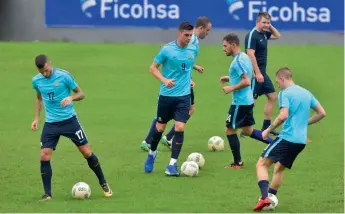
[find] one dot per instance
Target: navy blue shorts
(283, 151)
(176, 108)
(69, 128)
(265, 87)
(240, 116)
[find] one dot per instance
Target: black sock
(266, 124)
(156, 137)
(177, 144)
(257, 135)
(96, 168)
(46, 174)
(272, 191)
(263, 184)
(171, 133)
(235, 147)
(148, 138)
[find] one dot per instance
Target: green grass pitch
(120, 104)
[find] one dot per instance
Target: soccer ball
(81, 190)
(274, 202)
(190, 169)
(197, 158)
(215, 143)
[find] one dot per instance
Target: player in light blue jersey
(202, 28)
(240, 114)
(295, 104)
(53, 87)
(177, 59)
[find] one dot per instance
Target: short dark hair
(185, 26)
(41, 60)
(232, 38)
(263, 14)
(202, 21)
(284, 72)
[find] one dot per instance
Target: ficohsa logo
(141, 9)
(293, 12)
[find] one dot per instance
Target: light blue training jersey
(299, 101)
(240, 65)
(53, 90)
(177, 63)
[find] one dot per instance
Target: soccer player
(53, 87)
(295, 103)
(241, 111)
(256, 49)
(177, 59)
(202, 28)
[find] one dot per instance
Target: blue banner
(235, 14)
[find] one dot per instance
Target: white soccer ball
(190, 169)
(215, 143)
(274, 202)
(81, 190)
(197, 158)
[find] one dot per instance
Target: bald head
(285, 73)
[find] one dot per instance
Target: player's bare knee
(85, 150)
(229, 131)
(179, 126)
(278, 168)
(46, 154)
(160, 127)
(272, 97)
(247, 131)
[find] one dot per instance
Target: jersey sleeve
(240, 67)
(70, 82)
(283, 100)
(161, 56)
(251, 43)
(34, 86)
(314, 102)
(268, 34)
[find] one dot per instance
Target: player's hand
(191, 110)
(67, 101)
(169, 83)
(227, 89)
(224, 79)
(193, 84)
(199, 68)
(265, 134)
(34, 125)
(259, 78)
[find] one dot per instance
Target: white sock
(154, 153)
(172, 161)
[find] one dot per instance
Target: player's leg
(145, 145)
(181, 116)
(164, 115)
(49, 139)
(248, 123)
(269, 91)
(73, 130)
(232, 123)
(277, 179)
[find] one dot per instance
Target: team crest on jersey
(190, 56)
(56, 84)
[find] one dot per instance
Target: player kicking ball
(53, 87)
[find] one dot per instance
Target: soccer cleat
(166, 142)
(274, 132)
(235, 165)
(145, 146)
(107, 191)
(172, 170)
(149, 163)
(262, 203)
(46, 197)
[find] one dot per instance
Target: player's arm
(38, 107)
(198, 68)
(274, 33)
(258, 74)
(154, 70)
(320, 111)
(283, 115)
(245, 82)
(78, 94)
